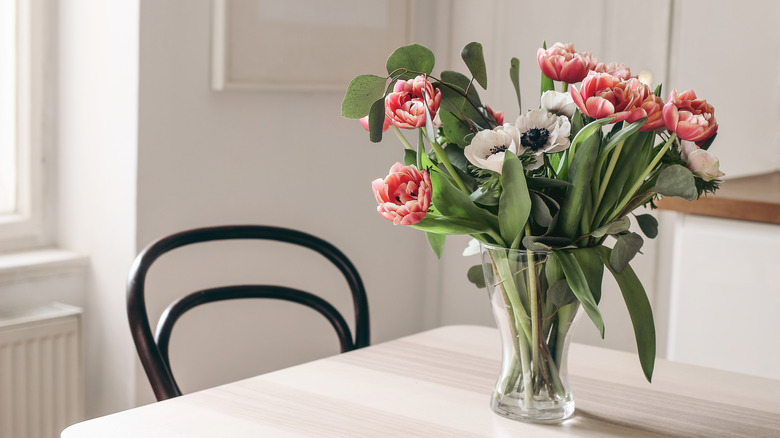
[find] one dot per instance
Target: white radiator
(41, 378)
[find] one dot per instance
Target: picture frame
(304, 45)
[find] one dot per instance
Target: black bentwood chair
(153, 350)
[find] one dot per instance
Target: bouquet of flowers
(557, 183)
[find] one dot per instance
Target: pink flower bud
(405, 106)
(691, 118)
(404, 196)
(562, 63)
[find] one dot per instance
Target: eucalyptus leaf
(361, 93)
(561, 294)
(648, 224)
(476, 276)
(455, 128)
(376, 120)
(436, 241)
(540, 210)
(475, 61)
(639, 310)
(461, 83)
(612, 228)
(677, 181)
(514, 205)
(626, 248)
(414, 57)
(546, 243)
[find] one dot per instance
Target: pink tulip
(603, 95)
(615, 69)
(562, 63)
(498, 116)
(385, 125)
(404, 196)
(405, 106)
(648, 105)
(691, 118)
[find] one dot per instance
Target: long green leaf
(621, 175)
(514, 75)
(514, 205)
(639, 310)
(475, 61)
(453, 203)
(592, 267)
(436, 241)
(580, 172)
(361, 93)
(579, 285)
(446, 225)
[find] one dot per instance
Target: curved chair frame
(153, 350)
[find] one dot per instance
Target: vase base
(540, 413)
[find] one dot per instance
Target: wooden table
(438, 384)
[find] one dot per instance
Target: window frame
(24, 229)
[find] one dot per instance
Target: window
(21, 222)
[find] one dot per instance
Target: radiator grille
(41, 379)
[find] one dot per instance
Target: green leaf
(414, 57)
(514, 205)
(648, 224)
(540, 210)
(376, 120)
(476, 276)
(451, 202)
(592, 268)
(475, 61)
(436, 241)
(639, 309)
(677, 181)
(579, 285)
(561, 294)
(514, 75)
(456, 100)
(626, 248)
(410, 157)
(612, 228)
(361, 93)
(580, 173)
(540, 183)
(545, 243)
(447, 225)
(455, 129)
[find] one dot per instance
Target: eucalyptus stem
(401, 137)
(641, 179)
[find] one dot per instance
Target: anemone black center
(496, 149)
(535, 138)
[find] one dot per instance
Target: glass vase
(535, 315)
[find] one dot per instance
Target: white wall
(96, 180)
(280, 158)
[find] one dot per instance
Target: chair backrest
(153, 350)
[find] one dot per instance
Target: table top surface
(438, 384)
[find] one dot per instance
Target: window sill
(47, 262)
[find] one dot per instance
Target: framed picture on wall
(304, 45)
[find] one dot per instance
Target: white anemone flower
(559, 103)
(542, 132)
(488, 147)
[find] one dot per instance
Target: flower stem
(607, 176)
(631, 192)
(442, 156)
(401, 137)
